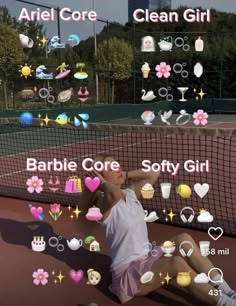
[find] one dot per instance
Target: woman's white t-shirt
(126, 230)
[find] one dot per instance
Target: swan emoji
(152, 217)
(165, 116)
(149, 96)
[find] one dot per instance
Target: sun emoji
(202, 211)
(26, 71)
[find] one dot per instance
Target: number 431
(215, 292)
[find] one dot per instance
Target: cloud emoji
(201, 279)
(205, 217)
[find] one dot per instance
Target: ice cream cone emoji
(145, 70)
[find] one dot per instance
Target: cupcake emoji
(147, 191)
(145, 70)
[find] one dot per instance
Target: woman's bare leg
(196, 261)
(172, 266)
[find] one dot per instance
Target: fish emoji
(62, 119)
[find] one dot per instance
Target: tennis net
(211, 151)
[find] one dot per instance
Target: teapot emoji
(94, 214)
(74, 244)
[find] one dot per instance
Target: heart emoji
(76, 276)
(92, 183)
(201, 189)
(214, 230)
(37, 212)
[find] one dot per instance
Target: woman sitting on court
(126, 231)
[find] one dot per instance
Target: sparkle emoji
(58, 278)
(201, 94)
(94, 277)
(26, 71)
(167, 278)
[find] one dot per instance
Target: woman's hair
(89, 199)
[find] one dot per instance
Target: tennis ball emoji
(93, 304)
(184, 191)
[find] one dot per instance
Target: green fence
(111, 112)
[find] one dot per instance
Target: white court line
(10, 173)
(216, 123)
(83, 156)
(24, 132)
(208, 125)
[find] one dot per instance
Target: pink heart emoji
(76, 276)
(92, 183)
(36, 212)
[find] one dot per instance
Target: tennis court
(129, 145)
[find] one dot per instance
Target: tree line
(119, 58)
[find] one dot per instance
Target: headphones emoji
(183, 218)
(182, 251)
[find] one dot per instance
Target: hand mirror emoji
(94, 214)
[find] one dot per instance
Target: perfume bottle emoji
(199, 44)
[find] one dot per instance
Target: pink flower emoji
(35, 184)
(200, 117)
(163, 70)
(40, 277)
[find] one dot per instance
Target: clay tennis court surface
(18, 261)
